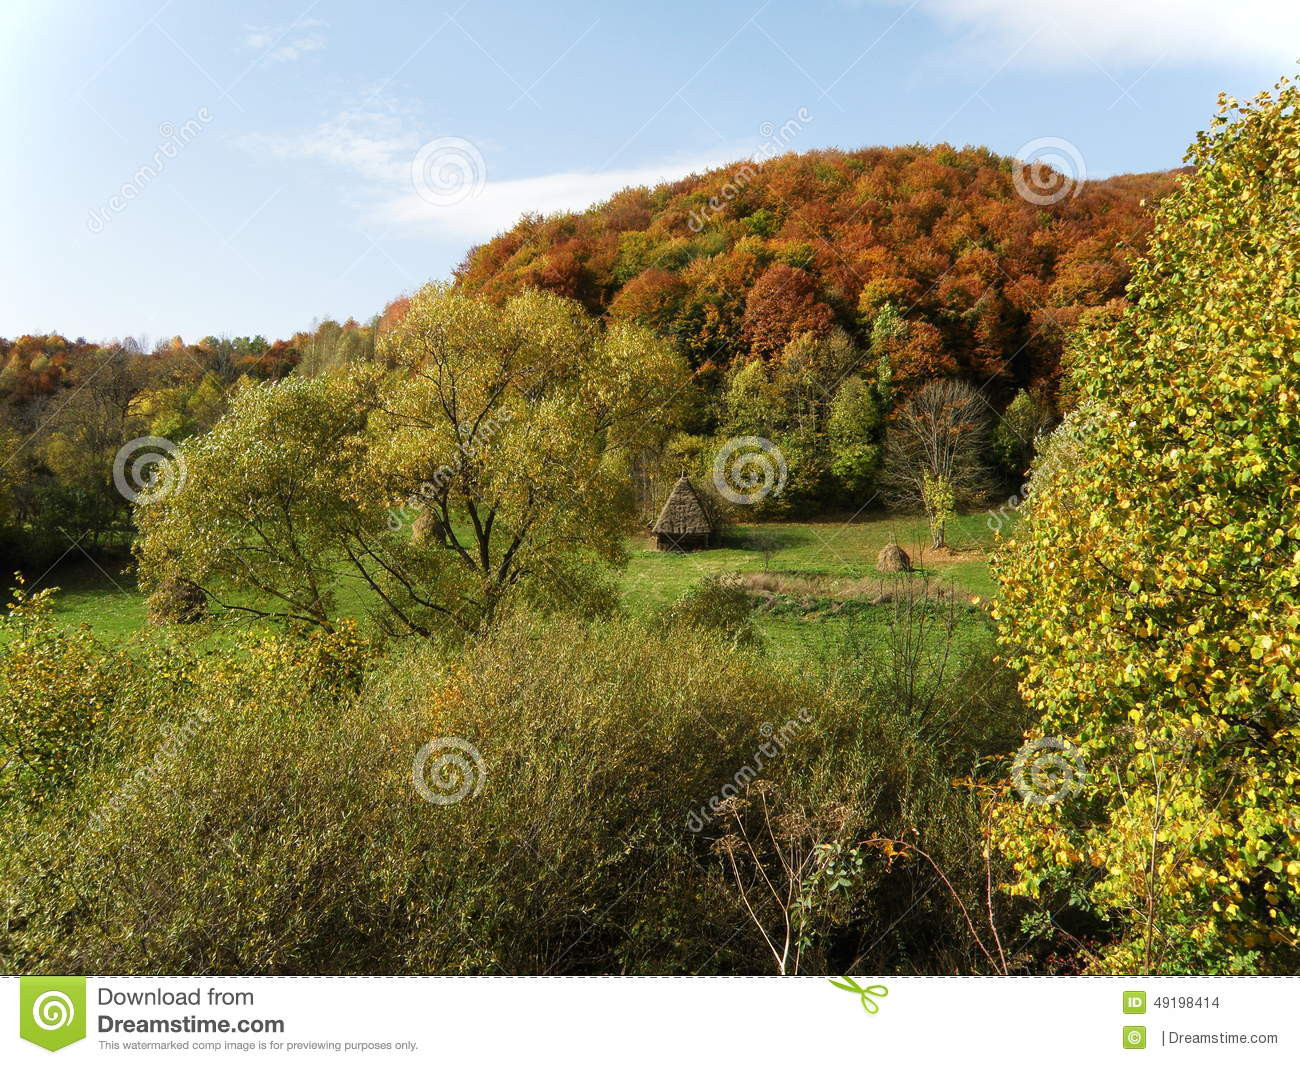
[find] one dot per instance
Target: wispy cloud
(376, 140)
(284, 44)
(378, 144)
(500, 203)
(1077, 33)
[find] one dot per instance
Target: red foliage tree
(782, 305)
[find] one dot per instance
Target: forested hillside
(68, 406)
(930, 251)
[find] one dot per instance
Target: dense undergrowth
(637, 789)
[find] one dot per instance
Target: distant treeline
(68, 406)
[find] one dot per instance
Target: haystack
(686, 523)
(427, 528)
(176, 601)
(893, 559)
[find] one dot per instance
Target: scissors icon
(868, 994)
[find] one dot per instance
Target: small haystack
(686, 523)
(427, 528)
(893, 559)
(176, 601)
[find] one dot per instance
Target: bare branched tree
(935, 450)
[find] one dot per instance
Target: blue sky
(245, 168)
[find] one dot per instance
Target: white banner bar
(966, 1020)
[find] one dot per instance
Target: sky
(197, 169)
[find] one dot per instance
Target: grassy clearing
(103, 596)
(844, 550)
(827, 561)
(837, 557)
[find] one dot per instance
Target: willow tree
(505, 431)
(1151, 596)
(514, 426)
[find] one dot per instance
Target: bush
(717, 605)
(257, 812)
(828, 846)
(176, 601)
(55, 690)
(277, 828)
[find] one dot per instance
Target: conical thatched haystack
(686, 523)
(893, 559)
(427, 528)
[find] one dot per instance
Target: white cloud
(373, 139)
(1127, 32)
(499, 204)
(378, 142)
(284, 44)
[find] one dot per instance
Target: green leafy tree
(1016, 435)
(808, 373)
(272, 504)
(751, 405)
(511, 427)
(1150, 597)
(853, 428)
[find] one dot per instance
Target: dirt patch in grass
(942, 555)
(808, 588)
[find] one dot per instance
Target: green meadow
(823, 574)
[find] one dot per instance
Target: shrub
(877, 766)
(717, 605)
(256, 811)
(176, 601)
(282, 832)
(56, 689)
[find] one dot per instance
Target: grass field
(829, 554)
(833, 553)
